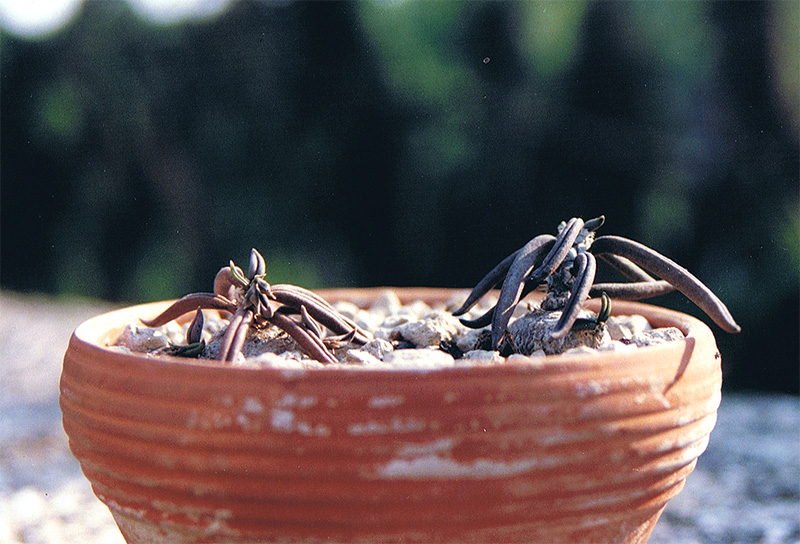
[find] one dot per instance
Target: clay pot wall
(562, 449)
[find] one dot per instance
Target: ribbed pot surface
(567, 449)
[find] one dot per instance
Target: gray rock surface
(745, 489)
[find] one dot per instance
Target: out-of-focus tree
(408, 143)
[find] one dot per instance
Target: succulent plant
(195, 344)
(253, 303)
(565, 266)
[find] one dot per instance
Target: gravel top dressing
(744, 489)
(412, 336)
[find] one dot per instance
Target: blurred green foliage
(408, 143)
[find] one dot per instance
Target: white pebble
(362, 357)
(482, 358)
(27, 506)
(616, 346)
(347, 309)
(433, 329)
(626, 326)
(419, 359)
(417, 308)
(657, 336)
(467, 341)
(378, 348)
(581, 350)
(143, 339)
(387, 303)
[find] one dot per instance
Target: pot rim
(94, 334)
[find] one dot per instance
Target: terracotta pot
(567, 449)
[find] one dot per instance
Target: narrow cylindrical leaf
(264, 287)
(526, 260)
(294, 297)
(312, 345)
(580, 290)
(239, 336)
(187, 304)
(480, 321)
(309, 323)
(495, 277)
(563, 244)
(667, 269)
(195, 331)
(230, 333)
(626, 267)
(605, 308)
(593, 224)
(632, 291)
(265, 308)
(257, 265)
(237, 275)
(339, 341)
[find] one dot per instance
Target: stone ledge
(746, 487)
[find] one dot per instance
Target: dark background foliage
(408, 143)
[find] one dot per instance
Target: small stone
(362, 357)
(387, 303)
(419, 359)
(378, 348)
(286, 360)
(481, 358)
(470, 340)
(536, 359)
(394, 321)
(581, 350)
(367, 321)
(626, 326)
(214, 324)
(364, 319)
(347, 309)
(616, 346)
(657, 336)
(431, 330)
(143, 339)
(533, 332)
(417, 309)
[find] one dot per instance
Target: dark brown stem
(189, 303)
(665, 268)
(526, 260)
(587, 267)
